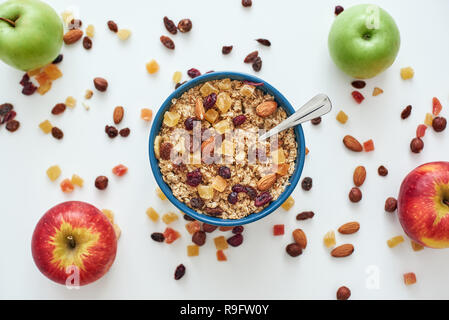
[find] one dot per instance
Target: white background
(297, 64)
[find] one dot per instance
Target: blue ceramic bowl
(267, 88)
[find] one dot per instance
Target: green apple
(30, 34)
(364, 41)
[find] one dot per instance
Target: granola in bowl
(209, 155)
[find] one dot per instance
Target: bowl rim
(157, 123)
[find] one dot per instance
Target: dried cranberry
(196, 203)
(12, 125)
(262, 199)
(252, 193)
(358, 84)
(58, 59)
(5, 108)
(188, 123)
(209, 228)
(158, 237)
(264, 42)
(257, 64)
(180, 271)
(238, 229)
(199, 238)
(338, 10)
(209, 101)
(25, 79)
(238, 188)
(194, 178)
(226, 49)
(28, 89)
(193, 73)
(224, 172)
(233, 197)
(236, 240)
(239, 120)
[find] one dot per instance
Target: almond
(72, 36)
(266, 182)
(207, 143)
(199, 109)
(342, 251)
(266, 108)
(352, 144)
(349, 228)
(118, 114)
(300, 238)
(359, 175)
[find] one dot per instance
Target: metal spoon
(316, 107)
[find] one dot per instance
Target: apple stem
(72, 242)
(8, 21)
(446, 202)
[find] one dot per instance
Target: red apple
(423, 205)
(74, 241)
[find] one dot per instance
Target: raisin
(125, 132)
(57, 133)
(264, 42)
(209, 228)
(185, 25)
(179, 84)
(391, 204)
(233, 197)
(199, 238)
(58, 59)
(9, 116)
(224, 172)
(188, 218)
(239, 120)
(316, 121)
(416, 145)
(293, 249)
(196, 203)
(180, 271)
(238, 229)
(439, 124)
(252, 193)
(165, 150)
(382, 171)
(307, 183)
(194, 178)
(238, 188)
(251, 57)
(406, 112)
(112, 26)
(101, 182)
(12, 125)
(257, 64)
(189, 122)
(193, 73)
(170, 26)
(167, 42)
(111, 131)
(338, 10)
(226, 49)
(236, 240)
(214, 211)
(5, 108)
(210, 100)
(358, 84)
(247, 3)
(87, 43)
(262, 199)
(58, 108)
(305, 215)
(158, 237)
(29, 88)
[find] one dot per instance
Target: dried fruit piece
(152, 214)
(251, 57)
(305, 215)
(358, 84)
(391, 204)
(416, 145)
(109, 214)
(53, 172)
(247, 3)
(439, 124)
(123, 34)
(226, 49)
(428, 119)
(342, 117)
(382, 171)
(257, 64)
(199, 238)
(307, 184)
(407, 73)
(377, 91)
(70, 102)
(171, 118)
(207, 89)
(87, 43)
(177, 76)
(368, 145)
(352, 143)
(193, 73)
(211, 115)
(46, 126)
(282, 169)
(124, 132)
(393, 242)
(355, 195)
(152, 66)
(416, 246)
(288, 204)
(278, 230)
(409, 278)
(57, 133)
(209, 228)
(101, 182)
(185, 25)
(264, 42)
(342, 251)
(158, 237)
(219, 184)
(224, 102)
(293, 249)
(224, 228)
(316, 121)
(171, 235)
(180, 271)
(77, 180)
(112, 26)
(67, 186)
(421, 130)
(349, 228)
(90, 31)
(266, 108)
(436, 106)
(343, 293)
(43, 89)
(235, 240)
(221, 256)
(406, 112)
(300, 238)
(199, 109)
(359, 175)
(160, 194)
(167, 42)
(338, 10)
(193, 227)
(329, 239)
(358, 97)
(119, 170)
(146, 114)
(205, 192)
(220, 243)
(222, 126)
(193, 250)
(170, 26)
(278, 156)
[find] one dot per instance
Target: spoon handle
(316, 107)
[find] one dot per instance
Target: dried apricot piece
(42, 78)
(193, 227)
(70, 102)
(193, 250)
(66, 186)
(109, 214)
(152, 67)
(393, 242)
(416, 246)
(77, 180)
(171, 235)
(409, 278)
(278, 230)
(211, 115)
(120, 170)
(177, 76)
(152, 214)
(219, 184)
(368, 145)
(342, 117)
(436, 106)
(329, 239)
(407, 73)
(377, 91)
(169, 217)
(171, 118)
(429, 119)
(43, 89)
(205, 192)
(220, 243)
(146, 114)
(46, 126)
(160, 194)
(288, 204)
(123, 34)
(52, 71)
(53, 172)
(224, 102)
(221, 256)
